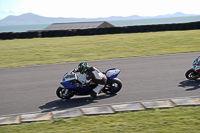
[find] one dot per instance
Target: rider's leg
(96, 90)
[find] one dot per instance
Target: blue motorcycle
(71, 84)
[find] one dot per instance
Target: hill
(30, 18)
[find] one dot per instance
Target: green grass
(174, 120)
(23, 52)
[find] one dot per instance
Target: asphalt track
(32, 88)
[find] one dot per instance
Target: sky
(97, 8)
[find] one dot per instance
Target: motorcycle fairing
(78, 90)
(67, 84)
(197, 69)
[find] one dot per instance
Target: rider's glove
(75, 70)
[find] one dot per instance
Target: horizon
(97, 9)
(109, 16)
(31, 22)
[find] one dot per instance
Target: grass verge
(23, 52)
(174, 120)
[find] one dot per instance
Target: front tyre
(64, 93)
(113, 86)
(191, 74)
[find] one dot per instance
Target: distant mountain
(177, 14)
(30, 18)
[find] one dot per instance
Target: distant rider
(94, 75)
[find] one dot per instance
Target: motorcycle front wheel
(113, 86)
(61, 93)
(191, 74)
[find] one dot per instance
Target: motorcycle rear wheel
(191, 74)
(60, 92)
(113, 86)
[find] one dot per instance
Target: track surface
(32, 88)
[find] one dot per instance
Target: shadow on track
(190, 84)
(71, 103)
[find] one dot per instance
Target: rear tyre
(113, 86)
(191, 74)
(60, 92)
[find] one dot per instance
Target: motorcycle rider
(94, 75)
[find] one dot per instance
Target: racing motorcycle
(71, 84)
(194, 72)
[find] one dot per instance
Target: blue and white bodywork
(112, 73)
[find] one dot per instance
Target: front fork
(66, 90)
